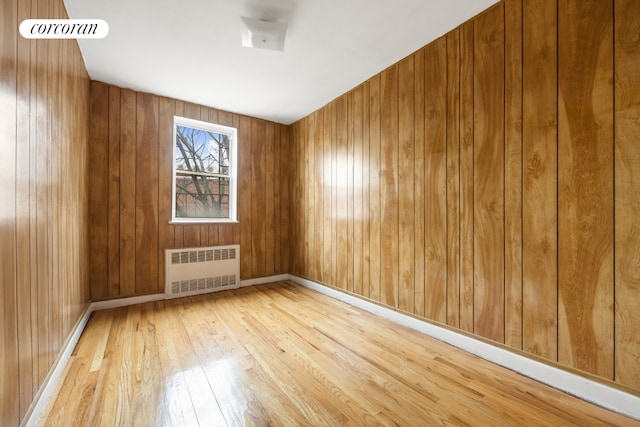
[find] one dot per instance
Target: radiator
(191, 271)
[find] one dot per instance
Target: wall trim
(42, 397)
(263, 280)
(584, 388)
(592, 391)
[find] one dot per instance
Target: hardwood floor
(283, 355)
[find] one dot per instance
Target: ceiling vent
(263, 34)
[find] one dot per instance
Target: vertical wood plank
(53, 212)
(33, 204)
(127, 192)
(278, 161)
(269, 214)
(146, 211)
(375, 208)
(366, 213)
(466, 176)
(340, 184)
(488, 174)
(113, 245)
(334, 192)
(453, 178)
(295, 232)
(42, 203)
(9, 407)
(513, 174)
(328, 249)
(258, 199)
(419, 189)
(309, 196)
(99, 184)
(435, 110)
(358, 185)
(585, 185)
(406, 201)
(245, 196)
(24, 137)
(286, 202)
(539, 135)
(389, 151)
(350, 193)
(627, 192)
(318, 180)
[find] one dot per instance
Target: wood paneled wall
(130, 197)
(44, 133)
(489, 182)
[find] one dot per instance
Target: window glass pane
(200, 196)
(201, 150)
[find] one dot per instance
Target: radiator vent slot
(200, 270)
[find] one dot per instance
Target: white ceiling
(191, 49)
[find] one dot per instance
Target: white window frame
(233, 165)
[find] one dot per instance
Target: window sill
(201, 221)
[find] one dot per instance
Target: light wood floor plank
(284, 355)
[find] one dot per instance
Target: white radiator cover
(191, 271)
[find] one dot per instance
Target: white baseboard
(592, 391)
(41, 399)
(263, 280)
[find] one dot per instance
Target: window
(204, 172)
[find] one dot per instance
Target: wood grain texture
(127, 209)
(389, 151)
(318, 193)
(340, 185)
(9, 344)
(146, 201)
(585, 186)
(466, 177)
(627, 192)
(99, 196)
(350, 189)
(23, 271)
(258, 198)
(406, 185)
(513, 174)
(489, 174)
(327, 200)
(453, 178)
(245, 195)
(375, 244)
(419, 189)
(42, 200)
(113, 211)
(435, 110)
(44, 216)
(281, 354)
(358, 191)
(539, 191)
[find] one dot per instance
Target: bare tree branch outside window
(202, 173)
